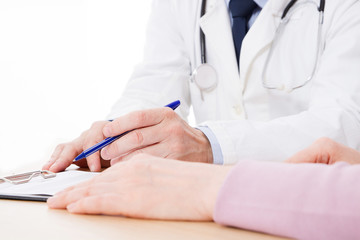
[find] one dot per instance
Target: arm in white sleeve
(163, 75)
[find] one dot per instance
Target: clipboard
(25, 178)
(40, 185)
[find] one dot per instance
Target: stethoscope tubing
(202, 35)
(288, 7)
(280, 28)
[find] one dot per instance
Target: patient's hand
(148, 187)
(326, 151)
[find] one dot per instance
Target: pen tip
(81, 156)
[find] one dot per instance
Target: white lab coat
(249, 121)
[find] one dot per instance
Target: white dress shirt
(215, 146)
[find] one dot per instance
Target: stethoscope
(205, 76)
(288, 11)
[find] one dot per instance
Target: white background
(63, 63)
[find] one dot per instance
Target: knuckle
(95, 124)
(138, 137)
(177, 129)
(324, 149)
(86, 146)
(113, 149)
(139, 117)
(60, 147)
(169, 113)
(98, 138)
(98, 124)
(83, 135)
(115, 125)
(87, 192)
(91, 190)
(325, 142)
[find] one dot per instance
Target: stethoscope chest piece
(205, 78)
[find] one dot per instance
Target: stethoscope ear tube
(202, 35)
(292, 2)
(322, 6)
(287, 8)
(278, 33)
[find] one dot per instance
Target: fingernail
(92, 167)
(105, 154)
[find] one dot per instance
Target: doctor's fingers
(91, 137)
(63, 156)
(134, 140)
(94, 160)
(55, 155)
(65, 153)
(138, 119)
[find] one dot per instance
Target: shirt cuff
(215, 146)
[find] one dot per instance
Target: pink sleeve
(303, 201)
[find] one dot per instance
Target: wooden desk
(33, 220)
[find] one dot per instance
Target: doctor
(293, 83)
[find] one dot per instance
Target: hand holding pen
(86, 153)
(160, 132)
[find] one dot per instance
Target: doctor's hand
(65, 153)
(159, 132)
(326, 151)
(148, 187)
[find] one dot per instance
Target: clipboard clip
(26, 177)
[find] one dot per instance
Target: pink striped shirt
(303, 201)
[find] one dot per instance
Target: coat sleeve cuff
(215, 146)
(224, 141)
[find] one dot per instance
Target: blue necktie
(241, 11)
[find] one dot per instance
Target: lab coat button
(238, 109)
(281, 87)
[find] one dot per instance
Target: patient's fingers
(62, 199)
(108, 204)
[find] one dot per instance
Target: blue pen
(109, 140)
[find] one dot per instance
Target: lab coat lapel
(260, 35)
(217, 29)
